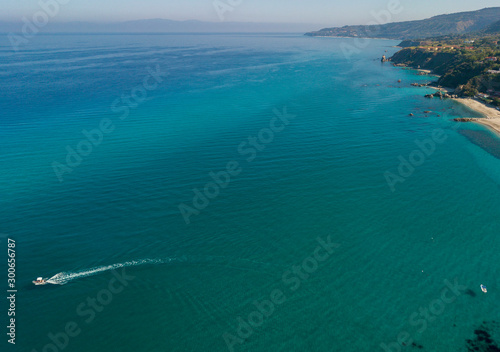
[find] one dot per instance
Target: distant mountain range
(159, 26)
(458, 23)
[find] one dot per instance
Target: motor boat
(484, 289)
(40, 281)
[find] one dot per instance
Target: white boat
(40, 281)
(484, 289)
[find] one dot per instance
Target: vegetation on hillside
(470, 64)
(457, 23)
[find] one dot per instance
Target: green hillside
(469, 65)
(494, 28)
(457, 23)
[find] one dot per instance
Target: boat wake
(67, 276)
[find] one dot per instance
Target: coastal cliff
(423, 59)
(452, 68)
(467, 70)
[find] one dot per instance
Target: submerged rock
(483, 340)
(465, 119)
(484, 139)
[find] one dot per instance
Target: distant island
(457, 23)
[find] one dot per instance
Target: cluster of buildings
(491, 94)
(438, 48)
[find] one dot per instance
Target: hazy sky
(321, 12)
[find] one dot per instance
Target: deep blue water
(322, 174)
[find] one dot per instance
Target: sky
(317, 12)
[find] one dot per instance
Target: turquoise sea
(300, 245)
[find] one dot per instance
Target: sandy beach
(492, 115)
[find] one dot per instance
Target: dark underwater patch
(483, 139)
(470, 293)
(416, 345)
(483, 341)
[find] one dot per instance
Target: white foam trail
(65, 277)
